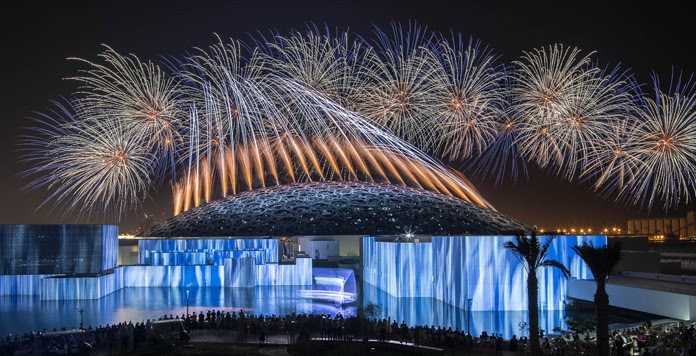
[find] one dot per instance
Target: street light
(468, 315)
(81, 311)
(187, 303)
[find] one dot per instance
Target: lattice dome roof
(336, 208)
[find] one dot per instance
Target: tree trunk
(533, 309)
(601, 300)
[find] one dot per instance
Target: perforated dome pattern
(336, 208)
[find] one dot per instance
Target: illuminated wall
(242, 272)
(336, 285)
(430, 311)
(456, 268)
(23, 284)
(57, 249)
(174, 263)
(178, 252)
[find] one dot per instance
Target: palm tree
(602, 261)
(532, 253)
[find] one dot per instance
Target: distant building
(677, 227)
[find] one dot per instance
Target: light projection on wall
(197, 251)
(335, 285)
(57, 249)
(187, 263)
(456, 269)
(430, 311)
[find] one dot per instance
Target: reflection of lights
(127, 237)
(337, 281)
(338, 297)
(336, 285)
(657, 238)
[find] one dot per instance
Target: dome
(336, 208)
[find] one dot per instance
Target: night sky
(36, 40)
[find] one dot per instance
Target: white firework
(543, 79)
(398, 92)
(328, 63)
(567, 107)
(588, 118)
(138, 96)
(665, 144)
(321, 105)
(86, 163)
(612, 165)
(468, 97)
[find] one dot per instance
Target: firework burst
(665, 144)
(502, 159)
(138, 96)
(329, 63)
(319, 105)
(88, 163)
(468, 99)
(544, 80)
(398, 90)
(612, 164)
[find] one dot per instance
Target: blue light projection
(21, 284)
(57, 249)
(433, 312)
(456, 268)
(174, 263)
(336, 285)
(198, 251)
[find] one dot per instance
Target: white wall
(672, 305)
(325, 248)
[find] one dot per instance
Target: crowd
(115, 338)
(298, 328)
(246, 328)
(302, 327)
(676, 339)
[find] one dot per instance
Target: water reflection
(19, 314)
(429, 311)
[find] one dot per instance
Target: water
(21, 314)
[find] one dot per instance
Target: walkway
(232, 337)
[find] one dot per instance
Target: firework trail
(468, 97)
(502, 158)
(88, 164)
(398, 89)
(665, 145)
(318, 105)
(138, 96)
(329, 63)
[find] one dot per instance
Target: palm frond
(544, 249)
(600, 259)
(533, 253)
(558, 265)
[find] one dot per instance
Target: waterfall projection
(454, 269)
